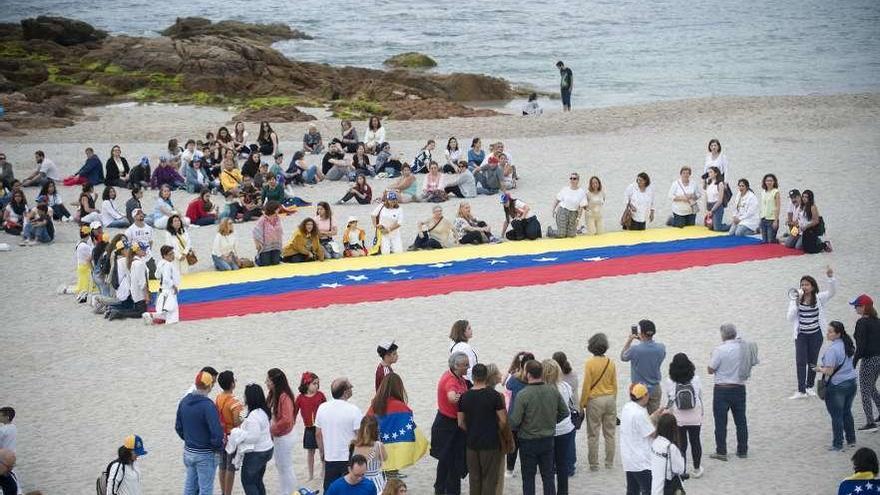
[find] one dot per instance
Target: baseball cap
(391, 195)
(387, 345)
(42, 199)
(862, 300)
(144, 161)
(638, 390)
(794, 193)
(351, 219)
(95, 225)
(204, 379)
(135, 443)
(504, 198)
(279, 154)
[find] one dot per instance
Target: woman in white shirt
(374, 136)
(520, 218)
(684, 194)
(563, 437)
(177, 237)
(569, 202)
(224, 250)
(453, 155)
(387, 218)
(111, 217)
(461, 335)
(667, 463)
(747, 218)
(714, 158)
(254, 440)
(715, 188)
(684, 398)
(123, 477)
(639, 198)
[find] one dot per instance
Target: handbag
(191, 258)
(822, 384)
(577, 417)
(627, 217)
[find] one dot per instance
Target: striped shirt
(808, 318)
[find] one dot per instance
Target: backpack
(727, 196)
(103, 480)
(685, 398)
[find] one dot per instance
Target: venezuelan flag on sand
(404, 442)
(295, 286)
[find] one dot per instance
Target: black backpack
(103, 480)
(685, 397)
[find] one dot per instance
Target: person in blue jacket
(91, 172)
(198, 425)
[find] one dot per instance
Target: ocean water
(621, 51)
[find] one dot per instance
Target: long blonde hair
(225, 227)
(368, 433)
(551, 371)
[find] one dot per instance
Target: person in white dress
(714, 158)
(177, 237)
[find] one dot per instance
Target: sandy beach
(80, 384)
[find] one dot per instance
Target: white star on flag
(409, 426)
(402, 432)
(357, 278)
(394, 435)
(440, 265)
(495, 262)
(544, 259)
(594, 258)
(397, 271)
(334, 285)
(385, 436)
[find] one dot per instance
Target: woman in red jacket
(201, 211)
(281, 403)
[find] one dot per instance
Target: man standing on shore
(565, 83)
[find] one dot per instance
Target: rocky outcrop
(411, 60)
(65, 32)
(191, 27)
(432, 109)
(288, 113)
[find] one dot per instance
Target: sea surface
(621, 51)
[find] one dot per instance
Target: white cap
(351, 219)
(95, 225)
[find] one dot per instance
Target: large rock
(288, 113)
(61, 30)
(23, 73)
(411, 60)
(431, 109)
(190, 27)
(475, 87)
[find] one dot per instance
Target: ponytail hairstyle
(848, 345)
(562, 360)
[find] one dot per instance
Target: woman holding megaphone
(806, 312)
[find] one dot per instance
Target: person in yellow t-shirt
(230, 409)
(599, 401)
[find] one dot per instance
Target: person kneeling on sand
(169, 286)
(518, 216)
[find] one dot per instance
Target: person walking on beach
(645, 359)
(566, 81)
(726, 364)
(198, 425)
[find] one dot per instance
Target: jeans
(717, 218)
(566, 98)
(806, 351)
(268, 258)
(534, 454)
(310, 174)
(119, 223)
(768, 233)
(200, 467)
(690, 434)
(364, 201)
(838, 401)
(638, 482)
(731, 398)
(562, 449)
(40, 233)
(683, 220)
(253, 467)
(740, 230)
(222, 265)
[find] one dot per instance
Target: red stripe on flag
(536, 275)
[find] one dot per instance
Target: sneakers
(148, 320)
(743, 456)
(870, 427)
(718, 457)
(594, 468)
(799, 395)
(811, 392)
(697, 473)
(509, 474)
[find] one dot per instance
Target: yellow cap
(638, 390)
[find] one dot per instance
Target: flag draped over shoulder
(404, 442)
(859, 487)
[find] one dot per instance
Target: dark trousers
(253, 468)
(637, 225)
(454, 190)
(511, 457)
(364, 201)
(806, 351)
(690, 435)
(732, 398)
(838, 401)
(448, 481)
(537, 454)
(60, 211)
(638, 482)
(473, 237)
(683, 220)
(562, 449)
(268, 258)
(333, 470)
(206, 220)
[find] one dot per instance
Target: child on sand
(307, 403)
(353, 239)
(169, 285)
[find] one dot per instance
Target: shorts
(310, 441)
(226, 463)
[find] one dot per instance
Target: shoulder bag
(673, 485)
(822, 384)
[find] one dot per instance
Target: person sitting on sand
(166, 175)
(489, 177)
(532, 108)
(14, 213)
(468, 229)
(349, 136)
(518, 216)
(251, 202)
(334, 166)
(812, 226)
(38, 227)
(168, 273)
(140, 174)
(305, 245)
(163, 209)
(116, 168)
(273, 190)
(201, 211)
(462, 184)
(386, 163)
(300, 172)
(312, 141)
(268, 234)
(639, 198)
(405, 186)
(46, 170)
(353, 239)
(92, 172)
(230, 176)
(55, 202)
(361, 161)
(240, 139)
(375, 135)
(224, 250)
(251, 166)
(475, 155)
(267, 140)
(434, 233)
(111, 217)
(138, 286)
(422, 161)
(453, 155)
(361, 192)
(432, 190)
(747, 217)
(87, 212)
(197, 177)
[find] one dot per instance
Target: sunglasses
(574, 178)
